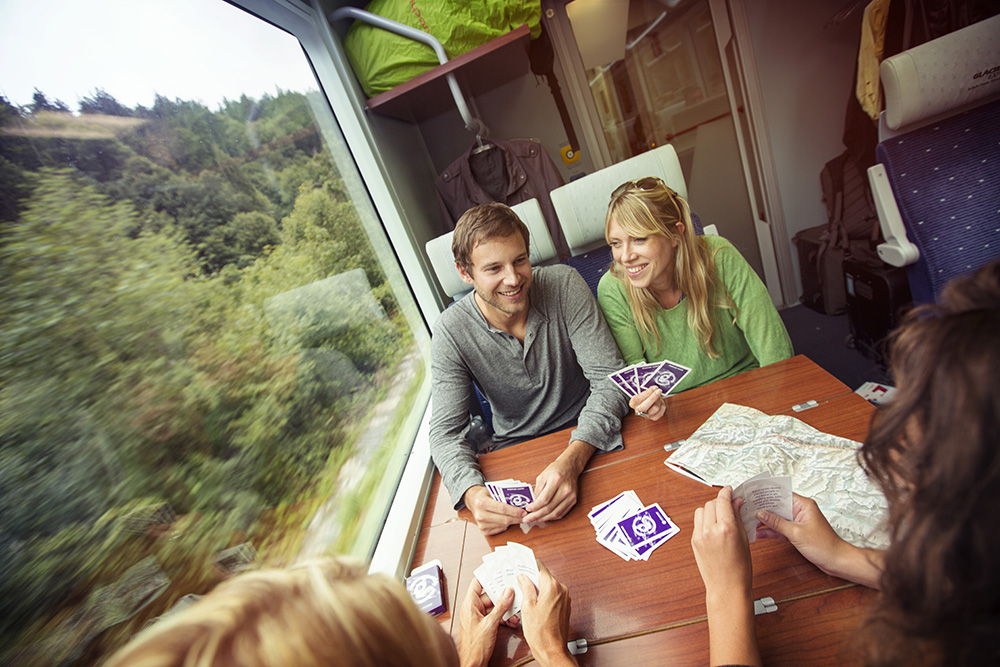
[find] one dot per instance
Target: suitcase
(822, 272)
(877, 297)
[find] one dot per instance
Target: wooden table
(653, 612)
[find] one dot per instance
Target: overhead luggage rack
(482, 69)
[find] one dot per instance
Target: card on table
(426, 586)
(647, 525)
(628, 528)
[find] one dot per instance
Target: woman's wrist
(724, 597)
(859, 565)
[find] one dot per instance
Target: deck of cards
(630, 529)
(426, 586)
(638, 377)
(511, 491)
(500, 569)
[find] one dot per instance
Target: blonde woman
(332, 613)
(671, 294)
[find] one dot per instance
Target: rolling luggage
(877, 297)
(822, 272)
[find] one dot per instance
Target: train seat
(937, 182)
(581, 206)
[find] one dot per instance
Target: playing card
(624, 381)
(500, 569)
(511, 491)
(517, 495)
(426, 586)
(668, 375)
(644, 374)
(763, 492)
(646, 525)
(629, 529)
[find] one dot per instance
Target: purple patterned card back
(646, 525)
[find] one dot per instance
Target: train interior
(742, 106)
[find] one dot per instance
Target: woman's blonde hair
(329, 613)
(648, 207)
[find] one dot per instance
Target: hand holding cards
(639, 377)
(500, 569)
(763, 492)
(629, 529)
(511, 492)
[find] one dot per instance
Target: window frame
(397, 541)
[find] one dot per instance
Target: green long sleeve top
(757, 337)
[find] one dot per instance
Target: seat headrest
(945, 74)
(581, 205)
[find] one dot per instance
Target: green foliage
(241, 240)
(15, 186)
(101, 102)
(9, 114)
(140, 356)
(41, 103)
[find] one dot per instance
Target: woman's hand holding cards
(811, 533)
(721, 548)
(722, 552)
(649, 403)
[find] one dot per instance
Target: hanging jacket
(511, 172)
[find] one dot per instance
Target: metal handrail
(473, 124)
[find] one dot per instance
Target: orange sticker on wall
(569, 156)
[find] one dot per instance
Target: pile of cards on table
(511, 492)
(630, 529)
(639, 377)
(500, 569)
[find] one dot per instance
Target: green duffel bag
(382, 60)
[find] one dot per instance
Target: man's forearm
(576, 455)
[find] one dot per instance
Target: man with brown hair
(537, 346)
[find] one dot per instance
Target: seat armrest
(897, 249)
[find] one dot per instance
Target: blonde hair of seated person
(649, 207)
(329, 613)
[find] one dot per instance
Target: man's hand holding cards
(646, 383)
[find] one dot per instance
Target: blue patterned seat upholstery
(946, 181)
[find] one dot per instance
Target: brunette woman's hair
(935, 451)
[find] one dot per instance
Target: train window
(208, 358)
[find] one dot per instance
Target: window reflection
(204, 365)
(669, 81)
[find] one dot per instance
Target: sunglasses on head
(646, 183)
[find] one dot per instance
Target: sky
(199, 50)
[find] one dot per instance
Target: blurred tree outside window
(205, 364)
